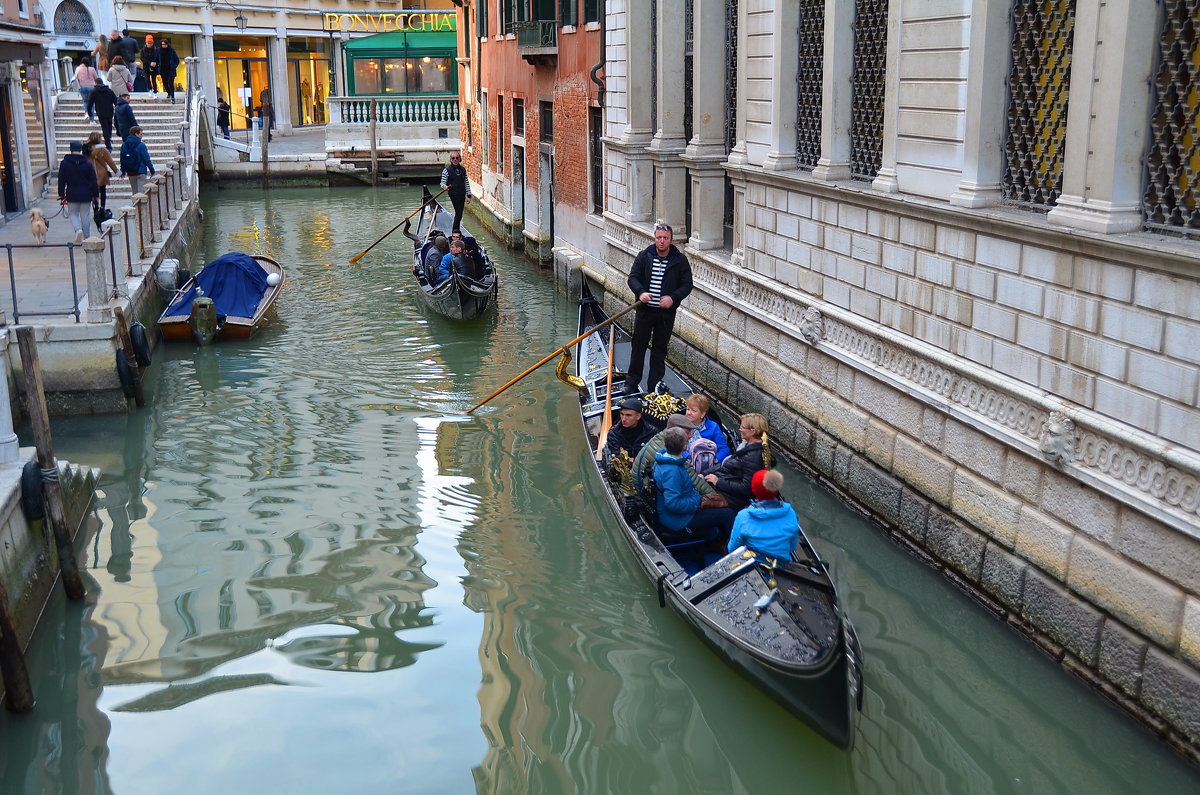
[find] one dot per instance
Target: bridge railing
(416, 110)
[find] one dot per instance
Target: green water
(314, 573)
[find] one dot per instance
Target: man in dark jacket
(104, 102)
(78, 188)
(124, 116)
(149, 59)
(458, 187)
(661, 277)
(632, 432)
(168, 65)
(123, 45)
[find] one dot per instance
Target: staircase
(158, 118)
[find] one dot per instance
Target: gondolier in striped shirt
(661, 277)
(454, 180)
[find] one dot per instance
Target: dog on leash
(38, 225)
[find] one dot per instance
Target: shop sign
(384, 23)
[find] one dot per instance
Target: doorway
(10, 169)
(518, 188)
(546, 192)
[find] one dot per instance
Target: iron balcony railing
(537, 34)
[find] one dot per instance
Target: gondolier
(458, 187)
(661, 277)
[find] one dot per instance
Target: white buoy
(272, 279)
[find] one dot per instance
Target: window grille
(810, 76)
(688, 65)
(1172, 199)
(1038, 87)
(731, 25)
(870, 73)
(596, 154)
(71, 18)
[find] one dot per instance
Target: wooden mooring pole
(39, 419)
(18, 692)
(374, 144)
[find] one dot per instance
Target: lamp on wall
(241, 21)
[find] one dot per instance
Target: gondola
(779, 623)
(227, 300)
(461, 297)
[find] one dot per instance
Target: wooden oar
(360, 254)
(606, 423)
(561, 350)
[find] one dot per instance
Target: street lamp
(240, 21)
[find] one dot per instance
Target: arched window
(72, 19)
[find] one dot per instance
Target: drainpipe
(600, 65)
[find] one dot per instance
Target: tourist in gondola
(632, 432)
(661, 277)
(681, 516)
(697, 412)
(453, 261)
(734, 475)
(769, 525)
(643, 463)
(439, 248)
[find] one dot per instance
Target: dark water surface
(316, 574)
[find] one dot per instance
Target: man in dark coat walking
(103, 101)
(458, 187)
(661, 277)
(125, 117)
(167, 65)
(77, 189)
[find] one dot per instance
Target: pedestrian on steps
(103, 104)
(77, 189)
(124, 116)
(87, 77)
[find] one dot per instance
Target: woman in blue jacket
(78, 188)
(679, 514)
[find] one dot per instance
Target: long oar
(360, 254)
(606, 423)
(561, 350)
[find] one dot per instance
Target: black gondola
(778, 622)
(463, 296)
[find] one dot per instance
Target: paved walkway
(51, 279)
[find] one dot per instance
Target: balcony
(537, 40)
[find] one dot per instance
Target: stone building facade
(949, 248)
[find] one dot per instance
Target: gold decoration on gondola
(564, 365)
(661, 405)
(622, 471)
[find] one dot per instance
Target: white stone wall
(756, 89)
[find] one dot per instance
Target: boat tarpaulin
(235, 282)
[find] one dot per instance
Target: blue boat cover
(234, 281)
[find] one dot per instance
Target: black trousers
(459, 201)
(651, 328)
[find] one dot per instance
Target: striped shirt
(658, 266)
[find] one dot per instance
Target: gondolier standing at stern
(454, 180)
(661, 277)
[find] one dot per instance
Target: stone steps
(158, 118)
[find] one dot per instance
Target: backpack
(129, 159)
(702, 454)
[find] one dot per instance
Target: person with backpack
(631, 432)
(643, 462)
(123, 113)
(135, 159)
(709, 430)
(103, 102)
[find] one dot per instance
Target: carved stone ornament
(1057, 441)
(812, 325)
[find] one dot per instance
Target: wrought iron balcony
(537, 40)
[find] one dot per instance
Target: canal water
(315, 573)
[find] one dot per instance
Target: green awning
(399, 43)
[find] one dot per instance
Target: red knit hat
(763, 481)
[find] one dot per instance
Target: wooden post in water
(374, 144)
(139, 397)
(39, 419)
(264, 116)
(18, 692)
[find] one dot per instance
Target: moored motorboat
(463, 296)
(227, 300)
(779, 622)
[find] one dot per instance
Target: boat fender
(182, 277)
(662, 590)
(32, 501)
(124, 374)
(141, 346)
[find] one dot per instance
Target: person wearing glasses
(661, 277)
(454, 180)
(734, 476)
